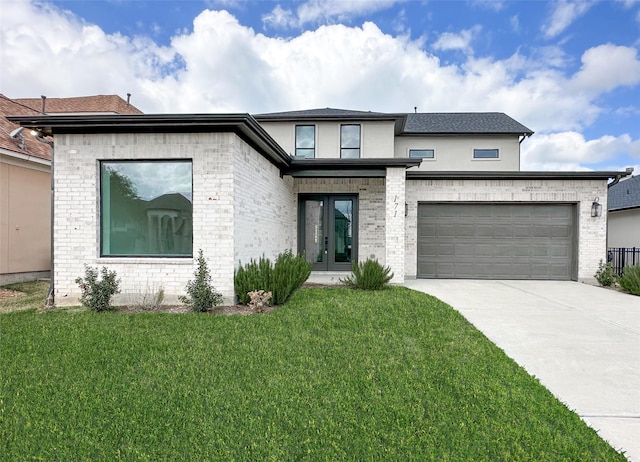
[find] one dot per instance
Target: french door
(328, 231)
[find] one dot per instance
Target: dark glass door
(328, 231)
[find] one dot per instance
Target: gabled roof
(26, 145)
(327, 113)
(454, 123)
(97, 104)
(625, 194)
(436, 123)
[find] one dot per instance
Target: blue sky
(568, 70)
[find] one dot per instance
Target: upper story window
(422, 153)
(146, 209)
(349, 141)
(486, 154)
(306, 141)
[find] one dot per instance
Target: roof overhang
(475, 175)
(352, 168)
(244, 125)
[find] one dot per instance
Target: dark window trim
(351, 149)
(475, 150)
(100, 224)
(315, 130)
(432, 157)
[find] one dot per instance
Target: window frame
(295, 141)
(344, 148)
(432, 157)
(102, 253)
(475, 157)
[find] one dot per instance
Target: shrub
(368, 275)
(630, 279)
(289, 273)
(255, 275)
(282, 279)
(605, 275)
(96, 294)
(201, 295)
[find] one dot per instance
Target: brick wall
(264, 208)
(216, 158)
(591, 231)
(395, 223)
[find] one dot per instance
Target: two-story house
(430, 195)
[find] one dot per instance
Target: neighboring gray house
(430, 195)
(623, 227)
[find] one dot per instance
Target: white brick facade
(395, 224)
(235, 190)
(591, 231)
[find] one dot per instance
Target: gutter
(628, 171)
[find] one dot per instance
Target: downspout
(50, 301)
(524, 136)
(628, 171)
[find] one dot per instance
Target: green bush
(282, 279)
(96, 294)
(368, 275)
(201, 295)
(630, 279)
(605, 275)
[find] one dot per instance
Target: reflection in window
(146, 208)
(306, 141)
(350, 141)
(485, 153)
(422, 153)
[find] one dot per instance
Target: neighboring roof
(169, 201)
(518, 175)
(24, 145)
(455, 123)
(97, 104)
(625, 194)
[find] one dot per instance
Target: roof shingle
(464, 123)
(625, 194)
(103, 104)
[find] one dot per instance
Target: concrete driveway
(582, 342)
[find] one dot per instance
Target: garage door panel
(496, 241)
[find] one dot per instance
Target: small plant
(368, 275)
(201, 295)
(259, 300)
(282, 279)
(605, 275)
(96, 294)
(151, 300)
(630, 279)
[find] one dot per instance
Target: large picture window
(146, 208)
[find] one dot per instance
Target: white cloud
(461, 41)
(563, 15)
(570, 151)
(222, 66)
(323, 11)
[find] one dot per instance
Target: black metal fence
(619, 257)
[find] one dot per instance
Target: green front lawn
(334, 374)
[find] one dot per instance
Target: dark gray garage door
(496, 241)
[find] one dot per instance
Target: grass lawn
(334, 374)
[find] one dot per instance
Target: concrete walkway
(582, 342)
